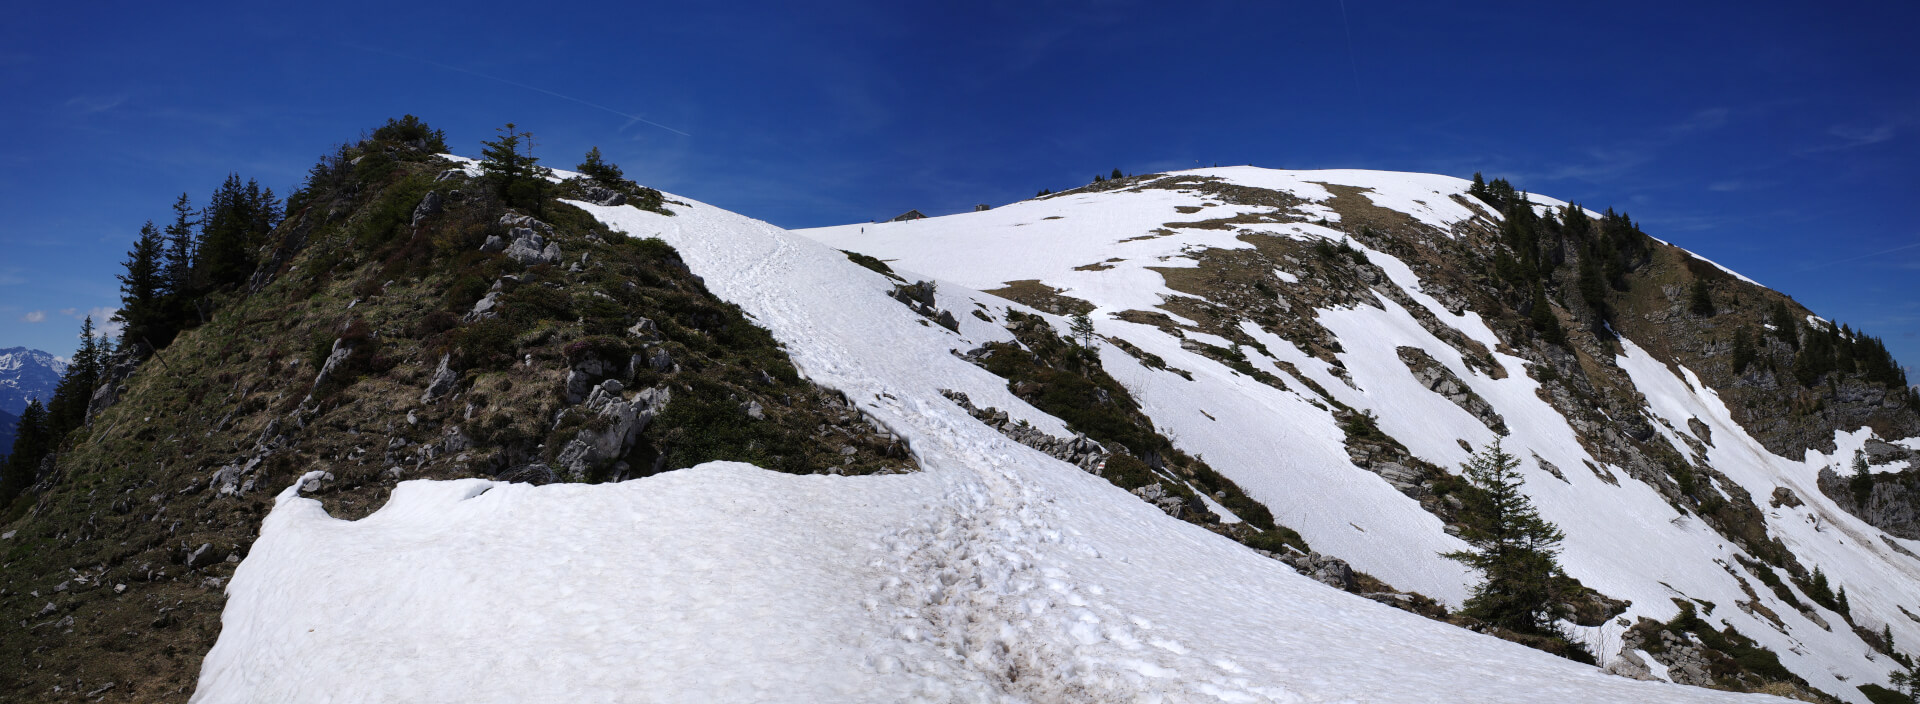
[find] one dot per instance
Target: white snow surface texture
(999, 574)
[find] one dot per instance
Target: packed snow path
(996, 575)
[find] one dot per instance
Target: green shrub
(1128, 472)
(412, 131)
(487, 344)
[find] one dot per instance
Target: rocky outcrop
(430, 205)
(1889, 501)
(528, 241)
(113, 378)
(1079, 451)
(918, 296)
(601, 195)
(443, 382)
(1325, 569)
(615, 425)
(1441, 380)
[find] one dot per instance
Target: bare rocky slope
(405, 323)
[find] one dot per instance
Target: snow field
(1285, 449)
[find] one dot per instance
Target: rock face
(528, 241)
(1325, 569)
(443, 382)
(617, 423)
(1079, 451)
(429, 206)
(1889, 501)
(600, 195)
(1440, 380)
(113, 383)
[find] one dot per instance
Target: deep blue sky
(1778, 139)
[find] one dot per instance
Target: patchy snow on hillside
(997, 574)
(1286, 450)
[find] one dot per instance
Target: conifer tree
(1510, 545)
(411, 131)
(1784, 326)
(68, 409)
(235, 224)
(179, 260)
(1082, 329)
(599, 170)
(1743, 353)
(1115, 176)
(1544, 321)
(30, 443)
(515, 175)
(143, 287)
(1906, 683)
(1700, 300)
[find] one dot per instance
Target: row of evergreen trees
(1540, 245)
(1605, 251)
(171, 271)
(170, 276)
(1819, 350)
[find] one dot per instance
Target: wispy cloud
(1735, 185)
(1853, 135)
(103, 323)
(34, 317)
(1608, 162)
(94, 104)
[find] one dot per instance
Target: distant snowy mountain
(26, 375)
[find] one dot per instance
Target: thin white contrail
(1865, 256)
(631, 118)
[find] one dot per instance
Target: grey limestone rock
(443, 382)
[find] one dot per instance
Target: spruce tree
(1082, 329)
(235, 225)
(515, 175)
(30, 444)
(1907, 683)
(143, 287)
(179, 267)
(1743, 352)
(1784, 326)
(1700, 300)
(1115, 176)
(1544, 321)
(1510, 545)
(599, 170)
(68, 409)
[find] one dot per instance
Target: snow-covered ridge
(1285, 449)
(997, 574)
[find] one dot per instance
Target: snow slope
(997, 574)
(1286, 450)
